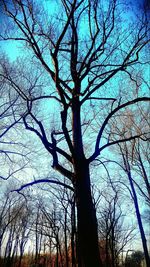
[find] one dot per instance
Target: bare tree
(131, 161)
(76, 66)
(136, 204)
(114, 233)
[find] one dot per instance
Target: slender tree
(136, 204)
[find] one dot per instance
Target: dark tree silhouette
(78, 49)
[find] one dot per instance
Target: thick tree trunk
(88, 248)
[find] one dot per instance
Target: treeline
(40, 229)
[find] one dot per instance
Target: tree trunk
(66, 242)
(88, 248)
(138, 215)
(73, 234)
(87, 241)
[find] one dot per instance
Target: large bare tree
(77, 51)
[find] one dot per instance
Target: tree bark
(88, 248)
(87, 240)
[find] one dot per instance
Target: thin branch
(42, 181)
(9, 127)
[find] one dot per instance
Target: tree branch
(97, 145)
(42, 181)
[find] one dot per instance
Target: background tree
(115, 234)
(135, 259)
(132, 162)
